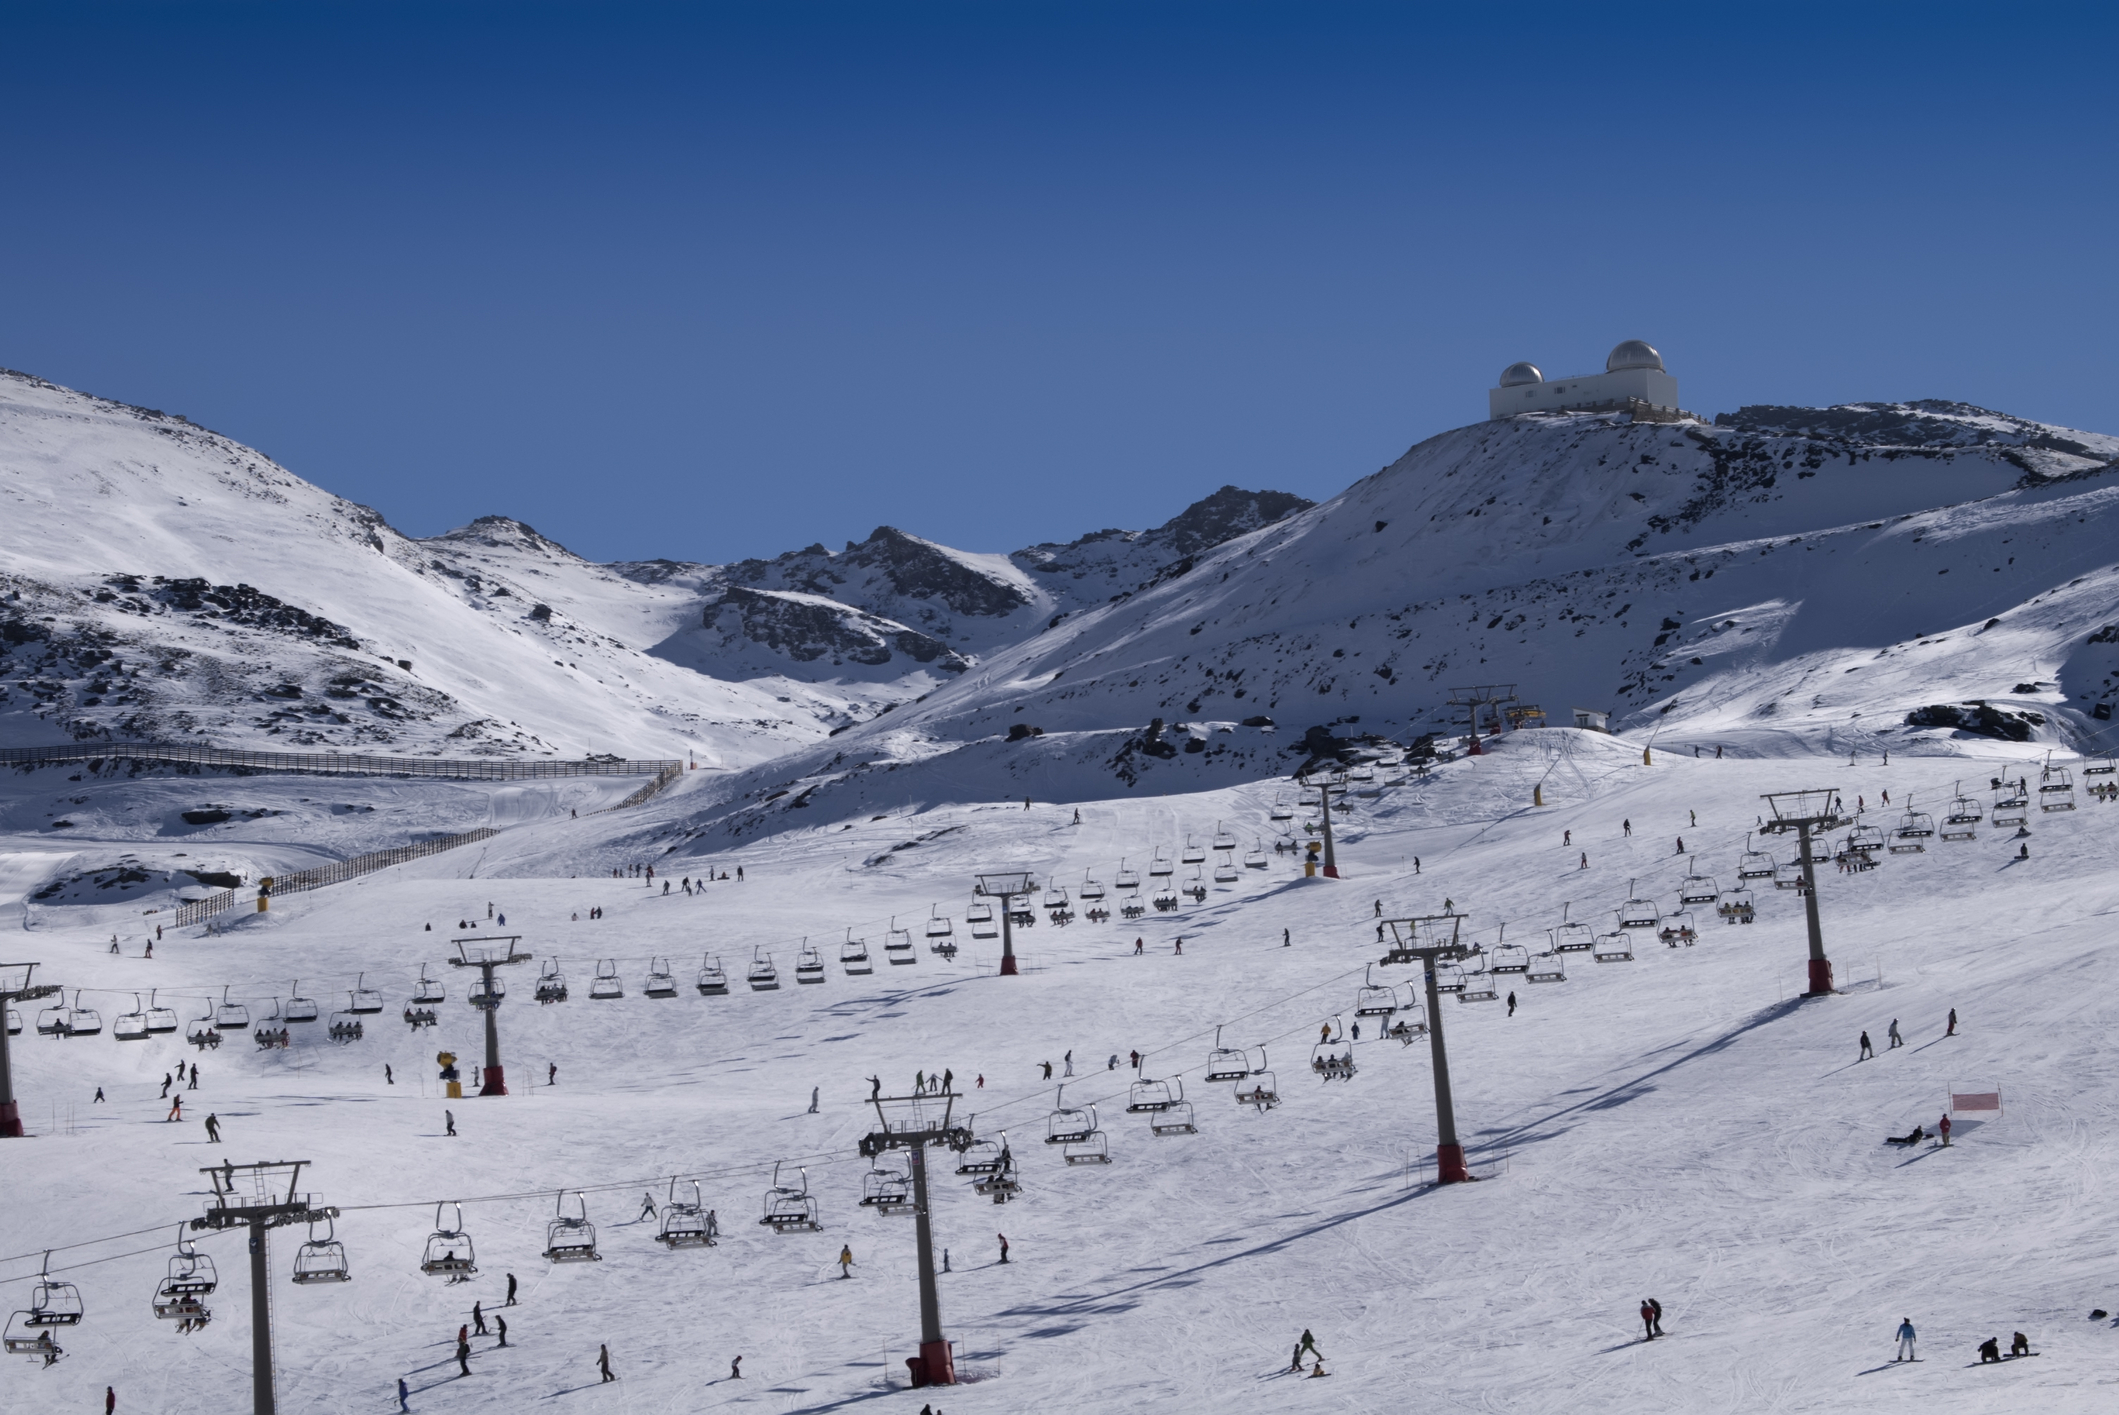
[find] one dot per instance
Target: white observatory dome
(1634, 353)
(1516, 375)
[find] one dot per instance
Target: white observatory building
(1634, 381)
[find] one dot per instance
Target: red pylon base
(1449, 1165)
(10, 1121)
(1331, 871)
(1008, 965)
(1820, 977)
(496, 1084)
(934, 1366)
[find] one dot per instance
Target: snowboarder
(1913, 1137)
(1896, 1040)
(647, 1208)
(1905, 1341)
(735, 1367)
(389, 1076)
(1379, 908)
(1953, 1024)
(1867, 1051)
(945, 1260)
(1283, 938)
(739, 880)
(949, 1073)
(603, 1362)
(813, 1092)
(1048, 1069)
(478, 1319)
(404, 1395)
(551, 1073)
(194, 1077)
(110, 1399)
(176, 1110)
(450, 1117)
(511, 1291)
(1180, 945)
(1511, 1004)
(1657, 1308)
(502, 1323)
(1627, 826)
(1647, 1322)
(1416, 864)
(1004, 1245)
(213, 1128)
(1681, 845)
(1567, 837)
(1695, 817)
(1585, 861)
(1990, 1350)
(165, 1085)
(1067, 1070)
(846, 1260)
(2020, 1346)
(463, 1356)
(99, 1097)
(875, 1087)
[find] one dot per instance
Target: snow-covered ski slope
(1679, 1126)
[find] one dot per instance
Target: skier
(99, 1097)
(1138, 946)
(1867, 1051)
(1511, 1004)
(511, 1291)
(1627, 826)
(1180, 945)
(478, 1319)
(502, 1323)
(450, 1117)
(1283, 938)
(945, 1260)
(1896, 1040)
(389, 1076)
(1647, 1322)
(1068, 1059)
(603, 1362)
(1953, 1024)
(1004, 1245)
(1048, 1069)
(1905, 1341)
(1695, 816)
(404, 1395)
(1567, 837)
(110, 1399)
(1135, 1055)
(1943, 1129)
(463, 1356)
(647, 1207)
(213, 1128)
(813, 1090)
(1416, 864)
(846, 1261)
(1379, 908)
(1309, 1344)
(165, 1085)
(1657, 1308)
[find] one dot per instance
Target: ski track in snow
(1681, 1126)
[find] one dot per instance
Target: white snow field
(1680, 1126)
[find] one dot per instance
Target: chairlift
(1165, 899)
(763, 976)
(1479, 987)
(428, 992)
(1067, 1124)
(1678, 928)
(939, 925)
(1914, 830)
(1362, 771)
(1638, 913)
(1755, 864)
(2056, 789)
(487, 991)
(321, 1259)
(130, 1026)
(789, 1209)
(299, 1008)
(1865, 839)
(449, 1252)
(1374, 999)
(1697, 888)
(83, 1021)
(1547, 968)
(1614, 947)
(1263, 1090)
(980, 917)
(1092, 1148)
(25, 1338)
(853, 952)
(897, 944)
(365, 1001)
(1224, 839)
(160, 1020)
(53, 1303)
(1571, 938)
(1125, 878)
(1281, 810)
(1195, 887)
(345, 1028)
(1509, 958)
(1326, 1061)
(1192, 854)
(1411, 1021)
(1177, 1120)
(1227, 1063)
(1255, 857)
(983, 1156)
(809, 964)
(1159, 866)
(232, 1015)
(713, 982)
(202, 1033)
(686, 1223)
(551, 983)
(14, 1023)
(2011, 803)
(1449, 977)
(1736, 907)
(180, 1295)
(570, 1238)
(1146, 1097)
(1788, 876)
(1225, 871)
(998, 1183)
(1056, 895)
(1961, 821)
(661, 982)
(606, 986)
(2103, 766)
(885, 1189)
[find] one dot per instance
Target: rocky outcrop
(810, 628)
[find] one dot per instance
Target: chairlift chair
(1125, 878)
(2103, 766)
(201, 1033)
(1374, 999)
(1638, 913)
(83, 1021)
(232, 1015)
(160, 1020)
(25, 1338)
(1736, 907)
(570, 1238)
(886, 1190)
(1067, 1124)
(1255, 857)
(1697, 888)
(1332, 1059)
(551, 983)
(1146, 1097)
(1092, 1148)
(1195, 887)
(660, 981)
(51, 1021)
(606, 986)
(788, 1208)
(130, 1026)
(897, 945)
(449, 1253)
(53, 1302)
(1225, 871)
(1755, 864)
(1056, 896)
(1159, 866)
(428, 992)
(190, 1274)
(1165, 899)
(1227, 1063)
(345, 1028)
(486, 992)
(1224, 839)
(1961, 821)
(365, 1001)
(14, 1023)
(321, 1260)
(1865, 839)
(1479, 987)
(1509, 958)
(981, 1157)
(1262, 1090)
(809, 964)
(1411, 1021)
(2056, 789)
(1788, 876)
(685, 1222)
(1547, 968)
(939, 925)
(1570, 937)
(1281, 810)
(980, 917)
(299, 1008)
(1914, 830)
(1192, 854)
(713, 981)
(1450, 977)
(853, 953)
(999, 1183)
(763, 977)
(1177, 1120)
(1678, 928)
(1614, 947)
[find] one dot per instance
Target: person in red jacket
(1648, 1321)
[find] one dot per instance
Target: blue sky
(714, 281)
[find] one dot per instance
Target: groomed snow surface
(1680, 1126)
